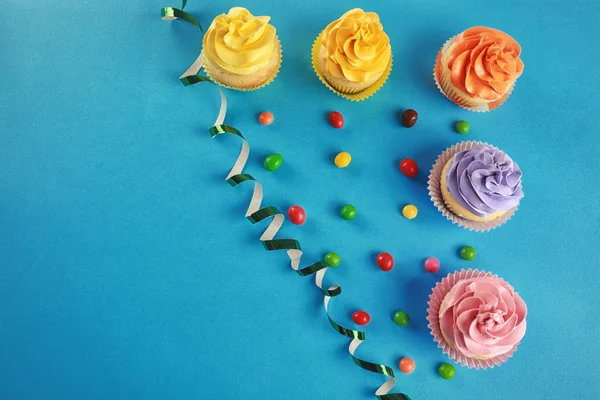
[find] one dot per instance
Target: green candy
(332, 259)
(273, 162)
(401, 318)
(348, 212)
(467, 253)
(447, 371)
(462, 127)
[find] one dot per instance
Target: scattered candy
(407, 365)
(467, 253)
(409, 118)
(401, 318)
(348, 212)
(385, 261)
(447, 371)
(409, 167)
(297, 215)
(265, 118)
(410, 211)
(361, 318)
(342, 160)
(273, 162)
(336, 120)
(332, 259)
(462, 127)
(432, 265)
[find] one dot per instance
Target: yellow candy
(342, 160)
(410, 211)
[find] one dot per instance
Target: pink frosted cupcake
(476, 318)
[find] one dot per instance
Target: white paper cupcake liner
(435, 301)
(435, 192)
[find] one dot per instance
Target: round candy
(432, 265)
(342, 160)
(409, 118)
(410, 211)
(265, 118)
(297, 215)
(407, 365)
(467, 253)
(447, 371)
(385, 261)
(273, 162)
(332, 259)
(462, 127)
(348, 212)
(401, 318)
(409, 167)
(361, 318)
(336, 120)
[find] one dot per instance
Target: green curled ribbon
(172, 13)
(256, 214)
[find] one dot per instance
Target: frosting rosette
(484, 180)
(239, 42)
(483, 317)
(478, 68)
(476, 318)
(356, 47)
(484, 63)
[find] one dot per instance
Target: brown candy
(409, 118)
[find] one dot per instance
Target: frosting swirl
(484, 63)
(484, 180)
(239, 42)
(356, 47)
(483, 317)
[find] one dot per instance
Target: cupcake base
(434, 186)
(445, 86)
(436, 298)
(245, 83)
(359, 96)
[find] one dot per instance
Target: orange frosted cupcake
(353, 53)
(478, 68)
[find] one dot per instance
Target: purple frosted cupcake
(481, 184)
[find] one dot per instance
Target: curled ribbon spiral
(256, 214)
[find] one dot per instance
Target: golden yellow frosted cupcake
(478, 68)
(241, 51)
(353, 52)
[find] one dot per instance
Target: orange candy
(265, 118)
(407, 365)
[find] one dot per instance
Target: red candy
(297, 215)
(336, 119)
(385, 261)
(265, 118)
(409, 167)
(361, 318)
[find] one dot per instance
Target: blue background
(128, 270)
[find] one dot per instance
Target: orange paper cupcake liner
(435, 192)
(265, 83)
(450, 92)
(363, 94)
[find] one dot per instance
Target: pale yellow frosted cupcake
(354, 52)
(241, 51)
